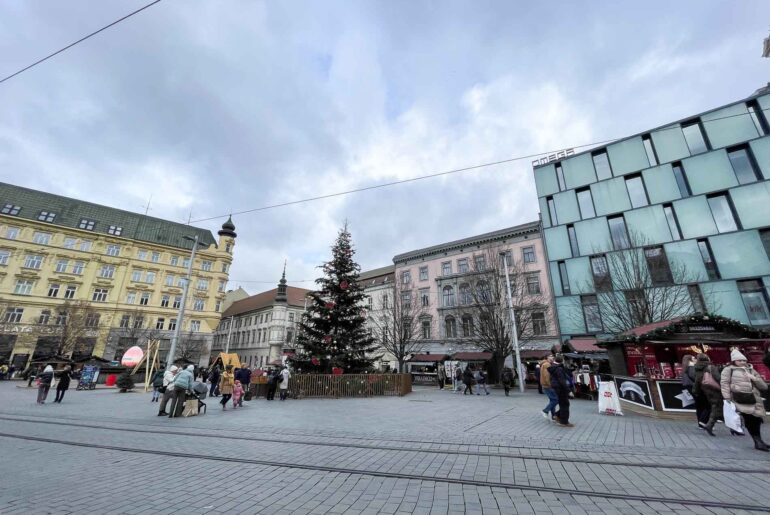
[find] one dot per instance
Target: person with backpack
(741, 385)
(707, 387)
(157, 383)
(482, 382)
(507, 380)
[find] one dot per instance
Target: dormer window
(87, 224)
(115, 230)
(10, 209)
(46, 216)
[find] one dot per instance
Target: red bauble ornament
(327, 339)
(344, 284)
(315, 361)
(330, 305)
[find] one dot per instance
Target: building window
(34, 261)
(85, 245)
(573, 242)
(673, 223)
(755, 301)
(708, 259)
(424, 297)
(552, 210)
(206, 266)
(218, 308)
(425, 326)
(61, 266)
(144, 300)
(696, 298)
(406, 277)
(113, 250)
(172, 324)
(107, 271)
(138, 322)
(195, 325)
(170, 279)
(722, 210)
(695, 138)
(86, 224)
(744, 165)
(586, 203)
(480, 262)
(23, 287)
(141, 255)
(423, 273)
(69, 243)
(125, 321)
(636, 191)
(462, 266)
(528, 254)
(62, 317)
(681, 180)
(467, 322)
(45, 317)
(155, 257)
(618, 233)
(758, 117)
(225, 268)
(46, 216)
(78, 267)
(506, 259)
(564, 278)
(92, 320)
(12, 233)
(221, 286)
(465, 294)
(4, 255)
(484, 291)
(602, 165)
(533, 284)
(538, 323)
(449, 296)
(180, 281)
(13, 315)
(198, 305)
(601, 274)
(228, 247)
(649, 149)
(100, 295)
(591, 313)
(10, 209)
(136, 276)
(53, 290)
(560, 177)
(131, 297)
(115, 230)
(69, 293)
(446, 268)
(177, 302)
(41, 238)
(657, 264)
(450, 327)
(406, 301)
(203, 284)
(149, 277)
(174, 260)
(164, 300)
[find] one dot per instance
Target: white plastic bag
(609, 402)
(732, 417)
(687, 398)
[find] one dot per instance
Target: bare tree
(189, 346)
(77, 322)
(638, 286)
(481, 314)
(401, 323)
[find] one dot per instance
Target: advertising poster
(634, 390)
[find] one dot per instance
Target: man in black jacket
(560, 384)
(214, 380)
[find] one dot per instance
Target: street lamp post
(514, 331)
(180, 314)
(229, 332)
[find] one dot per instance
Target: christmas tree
(332, 331)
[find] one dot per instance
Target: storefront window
(755, 301)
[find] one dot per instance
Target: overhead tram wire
(39, 61)
(439, 174)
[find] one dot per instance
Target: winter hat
(190, 367)
(174, 368)
(703, 358)
(736, 355)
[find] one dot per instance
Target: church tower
(278, 319)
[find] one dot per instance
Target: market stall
(424, 368)
(645, 362)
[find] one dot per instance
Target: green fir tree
(332, 331)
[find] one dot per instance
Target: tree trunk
(496, 368)
(401, 366)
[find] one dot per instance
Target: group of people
(556, 383)
(6, 371)
(48, 379)
(231, 384)
(464, 379)
(737, 383)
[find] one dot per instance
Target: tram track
(394, 475)
(380, 447)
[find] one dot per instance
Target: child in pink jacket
(237, 392)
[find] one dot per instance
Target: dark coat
(45, 378)
(688, 377)
(157, 378)
(214, 376)
(64, 381)
(712, 395)
(507, 377)
(766, 359)
(560, 381)
(467, 376)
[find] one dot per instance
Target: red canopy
(472, 356)
(584, 345)
(643, 329)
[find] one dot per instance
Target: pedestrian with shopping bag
(742, 386)
(707, 387)
(44, 381)
(183, 383)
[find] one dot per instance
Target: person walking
(560, 384)
(707, 386)
(688, 383)
(468, 380)
(507, 380)
(482, 382)
(272, 384)
(549, 412)
(741, 385)
(63, 385)
(245, 378)
(285, 375)
(226, 384)
(45, 379)
(214, 380)
(458, 379)
(237, 394)
(441, 376)
(168, 389)
(157, 383)
(183, 383)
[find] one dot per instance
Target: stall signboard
(88, 377)
(634, 390)
(674, 397)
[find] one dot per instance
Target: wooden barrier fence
(349, 385)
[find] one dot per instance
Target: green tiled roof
(69, 213)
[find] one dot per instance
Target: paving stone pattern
(355, 454)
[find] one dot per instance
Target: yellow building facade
(79, 279)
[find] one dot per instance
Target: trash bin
(111, 380)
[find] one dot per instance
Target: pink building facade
(440, 275)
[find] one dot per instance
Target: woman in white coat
(285, 375)
(742, 386)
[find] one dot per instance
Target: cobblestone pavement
(429, 452)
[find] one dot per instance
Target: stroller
(200, 391)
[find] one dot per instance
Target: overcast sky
(223, 106)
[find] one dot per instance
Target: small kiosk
(424, 368)
(646, 361)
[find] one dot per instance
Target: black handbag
(744, 398)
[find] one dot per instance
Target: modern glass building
(668, 222)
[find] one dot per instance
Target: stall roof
(698, 327)
(427, 358)
(644, 329)
(536, 353)
(472, 356)
(584, 345)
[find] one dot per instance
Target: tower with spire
(278, 322)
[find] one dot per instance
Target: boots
(759, 444)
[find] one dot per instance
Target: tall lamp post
(514, 330)
(185, 289)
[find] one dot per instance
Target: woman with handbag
(688, 382)
(741, 385)
(707, 388)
